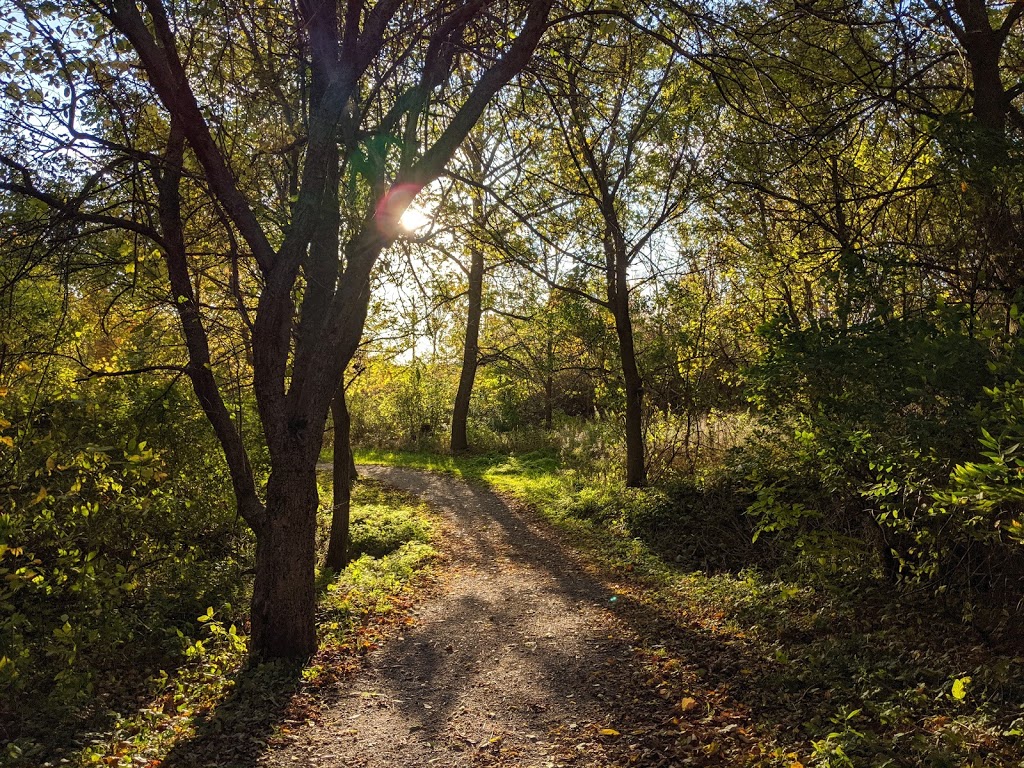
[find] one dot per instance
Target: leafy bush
(402, 406)
(866, 445)
(104, 537)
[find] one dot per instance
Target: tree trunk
(470, 352)
(990, 154)
(471, 349)
(636, 464)
(344, 472)
(283, 599)
(549, 406)
(618, 301)
(549, 371)
(983, 46)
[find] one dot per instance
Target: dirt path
(520, 661)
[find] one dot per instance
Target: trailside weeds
(214, 706)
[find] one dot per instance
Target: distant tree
(474, 302)
(618, 163)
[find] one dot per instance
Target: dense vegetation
(742, 282)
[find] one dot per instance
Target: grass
(213, 706)
(533, 477)
(825, 669)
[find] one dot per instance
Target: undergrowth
(209, 702)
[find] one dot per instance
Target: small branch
(94, 374)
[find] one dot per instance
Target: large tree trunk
(284, 600)
(344, 472)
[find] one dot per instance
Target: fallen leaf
(687, 704)
(609, 732)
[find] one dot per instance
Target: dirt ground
(520, 659)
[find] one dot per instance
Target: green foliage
(391, 544)
(863, 429)
(402, 406)
(109, 545)
(192, 669)
(382, 528)
(993, 487)
(915, 379)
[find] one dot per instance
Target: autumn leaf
(959, 691)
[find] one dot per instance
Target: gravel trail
(519, 660)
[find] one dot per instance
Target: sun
(413, 219)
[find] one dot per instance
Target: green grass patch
(391, 533)
(384, 520)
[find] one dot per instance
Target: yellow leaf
(796, 764)
(8, 441)
(687, 704)
(609, 732)
(39, 497)
(959, 691)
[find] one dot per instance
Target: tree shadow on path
(529, 654)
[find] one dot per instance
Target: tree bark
(617, 263)
(549, 406)
(549, 370)
(284, 599)
(344, 472)
(636, 462)
(471, 348)
(168, 176)
(983, 35)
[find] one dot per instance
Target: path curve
(519, 661)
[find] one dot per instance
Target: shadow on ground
(237, 731)
(528, 647)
